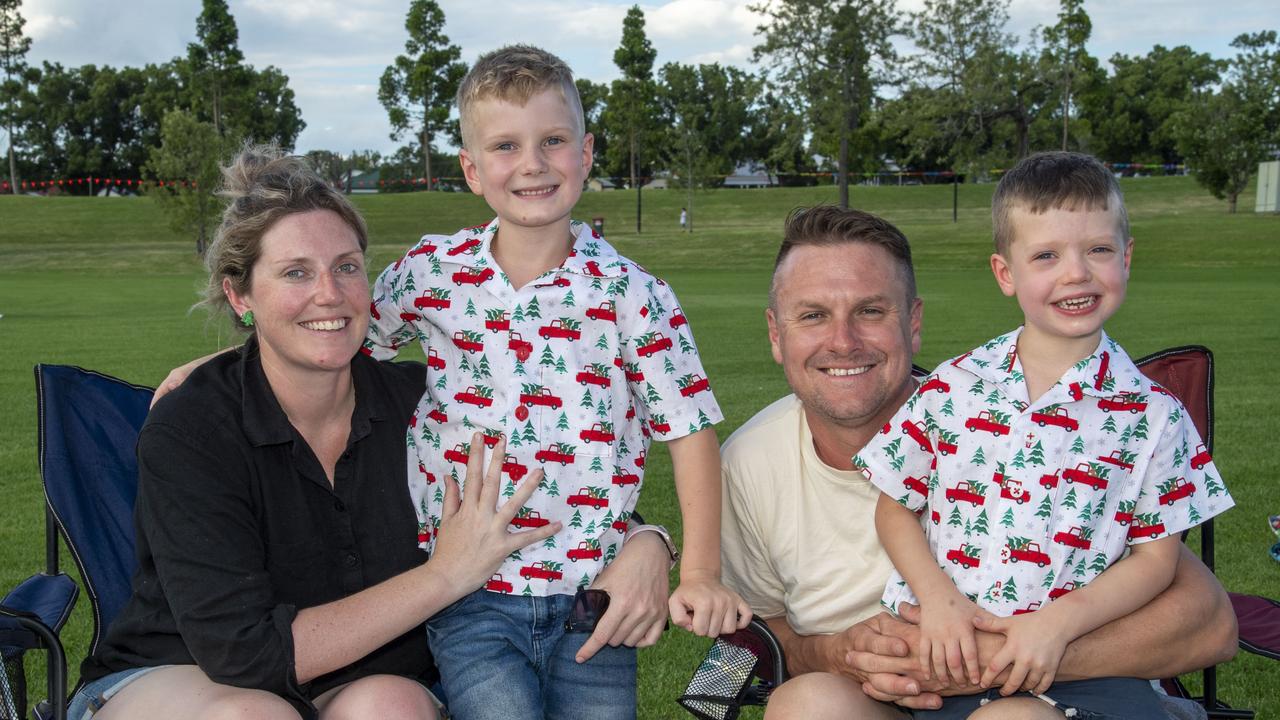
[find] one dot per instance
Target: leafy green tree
(829, 54)
(628, 117)
(1065, 43)
(190, 149)
(17, 76)
(215, 59)
(418, 88)
(594, 98)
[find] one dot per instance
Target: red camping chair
(720, 687)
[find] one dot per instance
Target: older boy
(539, 331)
(1086, 458)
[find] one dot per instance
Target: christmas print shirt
(578, 370)
(1022, 503)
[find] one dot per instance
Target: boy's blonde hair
(514, 74)
(1055, 181)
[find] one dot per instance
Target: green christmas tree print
(586, 402)
(1140, 430)
(560, 365)
(1006, 520)
(596, 465)
(548, 358)
(517, 315)
(563, 422)
(651, 394)
(980, 525)
(568, 300)
(1086, 512)
(482, 368)
(978, 457)
(1048, 579)
(530, 435)
(602, 342)
(977, 388)
(1018, 461)
(686, 347)
(668, 368)
(1037, 454)
(948, 408)
(1109, 425)
(1010, 590)
(471, 308)
(440, 383)
(576, 520)
(533, 311)
(527, 591)
(1070, 500)
(955, 519)
(992, 398)
(1099, 562)
(549, 543)
(1077, 447)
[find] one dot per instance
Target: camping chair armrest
(47, 598)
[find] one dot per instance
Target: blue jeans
(503, 656)
(1097, 699)
(93, 695)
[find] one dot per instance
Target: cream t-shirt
(798, 537)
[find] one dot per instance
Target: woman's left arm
(637, 582)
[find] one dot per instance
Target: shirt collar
(1107, 371)
(591, 256)
(265, 422)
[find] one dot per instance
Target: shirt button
(351, 560)
(346, 455)
(339, 505)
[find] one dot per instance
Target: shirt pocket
(577, 428)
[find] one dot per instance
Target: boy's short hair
(514, 74)
(1055, 181)
(828, 225)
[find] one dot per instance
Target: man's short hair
(827, 225)
(1055, 181)
(514, 74)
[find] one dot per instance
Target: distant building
(750, 175)
(600, 184)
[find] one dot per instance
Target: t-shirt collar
(591, 255)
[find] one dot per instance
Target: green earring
(247, 318)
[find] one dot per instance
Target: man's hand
(882, 658)
(637, 584)
(704, 607)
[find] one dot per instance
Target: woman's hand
(179, 375)
(474, 538)
(637, 584)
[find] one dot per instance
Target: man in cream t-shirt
(798, 535)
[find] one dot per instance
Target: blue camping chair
(89, 426)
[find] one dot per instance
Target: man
(799, 539)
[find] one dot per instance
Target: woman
(278, 570)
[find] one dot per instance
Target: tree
(215, 60)
(706, 110)
(1065, 42)
(628, 115)
(418, 87)
(190, 150)
(825, 53)
(13, 49)
(594, 98)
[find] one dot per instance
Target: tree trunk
(634, 181)
(426, 155)
(1066, 110)
(688, 152)
(842, 168)
(1231, 203)
(13, 165)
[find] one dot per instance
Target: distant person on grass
(1072, 436)
(844, 321)
(538, 331)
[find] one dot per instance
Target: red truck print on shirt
(1013, 490)
(1058, 416)
(1027, 552)
(480, 396)
(632, 372)
(458, 454)
(1028, 609)
(497, 320)
(594, 497)
(1086, 474)
(468, 341)
(936, 384)
(527, 518)
(988, 421)
(438, 415)
(1049, 481)
(651, 343)
(1058, 592)
(1147, 525)
(425, 248)
(622, 477)
(946, 442)
(434, 361)
(692, 384)
(606, 312)
(556, 452)
(435, 299)
(1124, 511)
(472, 277)
(966, 491)
(1075, 537)
(469, 246)
(678, 319)
(915, 430)
(594, 374)
(966, 555)
(539, 395)
(541, 570)
(599, 432)
(658, 423)
(497, 584)
(586, 550)
(1120, 458)
(917, 484)
(1175, 489)
(513, 468)
(521, 347)
(564, 328)
(1127, 402)
(1201, 458)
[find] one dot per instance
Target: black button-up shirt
(238, 528)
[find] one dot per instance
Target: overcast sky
(334, 51)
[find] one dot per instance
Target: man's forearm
(1189, 626)
(807, 653)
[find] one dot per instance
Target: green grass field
(102, 283)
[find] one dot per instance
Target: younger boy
(537, 330)
(1038, 458)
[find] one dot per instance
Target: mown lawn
(103, 283)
